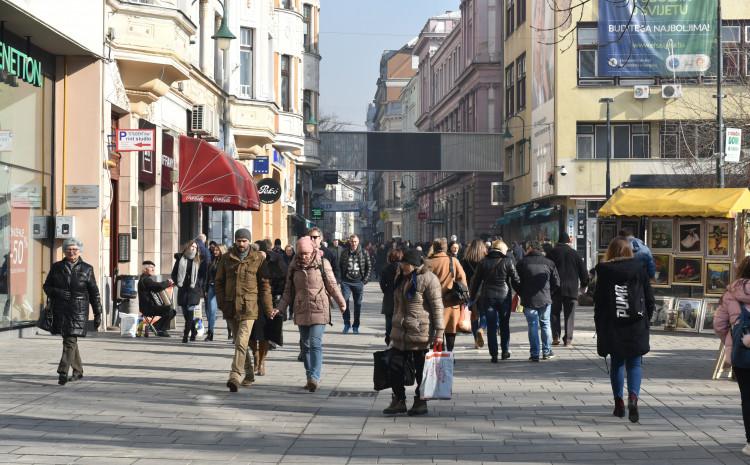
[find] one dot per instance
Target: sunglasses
(314, 237)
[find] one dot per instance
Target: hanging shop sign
(642, 38)
(135, 140)
(269, 190)
(260, 165)
(733, 145)
(17, 63)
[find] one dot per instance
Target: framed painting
(663, 263)
(688, 314)
(607, 232)
(718, 277)
(707, 320)
(690, 237)
(717, 239)
(664, 305)
(687, 271)
(661, 235)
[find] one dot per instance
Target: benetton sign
(18, 63)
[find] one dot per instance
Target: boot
(619, 408)
(262, 354)
(419, 407)
(193, 330)
(185, 334)
(633, 408)
(397, 406)
(209, 336)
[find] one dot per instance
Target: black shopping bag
(274, 330)
(392, 364)
(46, 318)
(380, 378)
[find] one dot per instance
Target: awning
(213, 178)
(541, 212)
(511, 215)
(707, 203)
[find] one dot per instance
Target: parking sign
(135, 140)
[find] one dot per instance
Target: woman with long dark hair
(216, 252)
(189, 275)
(473, 256)
(623, 305)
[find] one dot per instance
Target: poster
(19, 250)
(664, 38)
(542, 98)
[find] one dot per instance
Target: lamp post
(719, 98)
(608, 100)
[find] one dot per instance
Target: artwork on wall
(661, 233)
(664, 305)
(690, 237)
(607, 232)
(687, 271)
(717, 238)
(688, 314)
(718, 277)
(709, 310)
(663, 263)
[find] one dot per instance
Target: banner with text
(656, 38)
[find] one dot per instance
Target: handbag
(741, 328)
(437, 377)
(464, 321)
(46, 318)
(393, 364)
(459, 291)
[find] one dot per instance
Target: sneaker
(346, 328)
(549, 356)
(533, 359)
(505, 356)
(355, 330)
(746, 449)
(633, 408)
(247, 382)
(480, 338)
(568, 344)
(75, 376)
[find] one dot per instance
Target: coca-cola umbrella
(211, 177)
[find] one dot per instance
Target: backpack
(630, 300)
(740, 353)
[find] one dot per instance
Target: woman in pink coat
(310, 285)
(726, 315)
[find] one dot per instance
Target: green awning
(541, 212)
(511, 215)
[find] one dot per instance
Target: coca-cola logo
(269, 190)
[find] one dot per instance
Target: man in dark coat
(355, 268)
(539, 279)
(148, 291)
(573, 276)
(71, 287)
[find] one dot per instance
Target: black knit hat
(412, 257)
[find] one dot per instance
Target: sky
(353, 36)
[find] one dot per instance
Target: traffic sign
(135, 140)
(733, 145)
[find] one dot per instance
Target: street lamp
(223, 36)
(608, 100)
(311, 125)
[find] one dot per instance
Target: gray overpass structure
(411, 151)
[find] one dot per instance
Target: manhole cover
(353, 394)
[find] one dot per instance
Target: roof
(706, 203)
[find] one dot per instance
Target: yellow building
(662, 126)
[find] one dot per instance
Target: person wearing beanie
(417, 325)
(573, 279)
(243, 290)
(310, 286)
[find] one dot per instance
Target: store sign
(17, 63)
(317, 213)
(19, 250)
(733, 145)
(278, 159)
(269, 191)
(135, 140)
(647, 38)
(348, 206)
(82, 196)
(260, 165)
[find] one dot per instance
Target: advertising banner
(20, 220)
(543, 101)
(656, 37)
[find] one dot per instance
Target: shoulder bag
(741, 329)
(459, 291)
(46, 317)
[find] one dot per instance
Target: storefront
(26, 134)
(697, 238)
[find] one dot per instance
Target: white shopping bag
(128, 324)
(437, 377)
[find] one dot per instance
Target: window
(509, 91)
(731, 63)
(520, 12)
(629, 140)
(731, 34)
(686, 140)
(509, 18)
(246, 62)
(587, 51)
(286, 4)
(286, 62)
(307, 28)
(521, 82)
(509, 164)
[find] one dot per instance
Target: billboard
(656, 38)
(542, 101)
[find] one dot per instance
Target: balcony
(310, 157)
(150, 41)
(289, 134)
(253, 123)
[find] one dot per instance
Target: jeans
(742, 375)
(535, 317)
(566, 306)
(498, 314)
(617, 375)
(311, 338)
(480, 322)
(356, 289)
(211, 307)
(398, 389)
(70, 356)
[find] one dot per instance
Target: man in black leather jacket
(573, 274)
(494, 276)
(147, 287)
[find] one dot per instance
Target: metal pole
(609, 150)
(719, 99)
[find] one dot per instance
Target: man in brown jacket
(242, 285)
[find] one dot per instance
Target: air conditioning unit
(641, 92)
(202, 121)
(671, 91)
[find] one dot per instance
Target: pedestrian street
(157, 401)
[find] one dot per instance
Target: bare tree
(331, 123)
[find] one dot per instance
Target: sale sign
(19, 250)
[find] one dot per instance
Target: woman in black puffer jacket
(623, 305)
(71, 287)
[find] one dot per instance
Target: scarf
(411, 291)
(182, 271)
(301, 264)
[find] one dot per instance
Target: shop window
(246, 62)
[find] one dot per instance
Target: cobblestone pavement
(158, 401)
